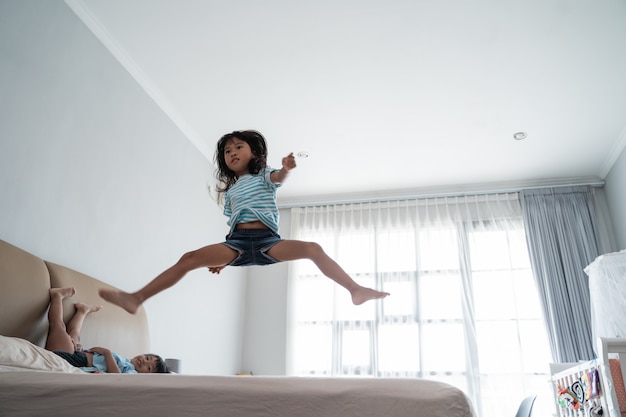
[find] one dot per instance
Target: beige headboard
(25, 281)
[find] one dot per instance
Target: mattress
(61, 394)
(36, 382)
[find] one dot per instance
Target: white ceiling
(387, 97)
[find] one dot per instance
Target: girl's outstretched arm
(289, 163)
(112, 367)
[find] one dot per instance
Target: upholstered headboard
(25, 281)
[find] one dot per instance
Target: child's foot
(121, 299)
(86, 308)
(363, 294)
(62, 292)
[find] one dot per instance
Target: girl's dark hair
(226, 178)
(161, 366)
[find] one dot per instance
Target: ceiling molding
(122, 56)
(614, 154)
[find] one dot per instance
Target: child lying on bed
(65, 342)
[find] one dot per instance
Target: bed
(36, 382)
(596, 388)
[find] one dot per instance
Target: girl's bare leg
(61, 337)
(290, 250)
(58, 338)
(212, 256)
(76, 322)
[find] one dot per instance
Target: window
(463, 307)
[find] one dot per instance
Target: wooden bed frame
(27, 390)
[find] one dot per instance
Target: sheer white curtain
(463, 308)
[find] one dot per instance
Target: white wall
(265, 329)
(95, 177)
(616, 198)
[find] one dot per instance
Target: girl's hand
(99, 350)
(111, 365)
(289, 162)
(215, 269)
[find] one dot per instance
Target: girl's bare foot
(62, 292)
(121, 299)
(363, 294)
(86, 308)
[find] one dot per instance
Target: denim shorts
(252, 245)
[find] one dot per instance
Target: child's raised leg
(212, 256)
(76, 322)
(60, 337)
(290, 250)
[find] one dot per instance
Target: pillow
(23, 355)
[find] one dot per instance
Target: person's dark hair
(227, 178)
(161, 366)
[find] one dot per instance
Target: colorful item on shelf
(583, 389)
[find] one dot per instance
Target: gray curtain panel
(561, 232)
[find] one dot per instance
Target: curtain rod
(436, 192)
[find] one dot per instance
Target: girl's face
(145, 364)
(237, 155)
